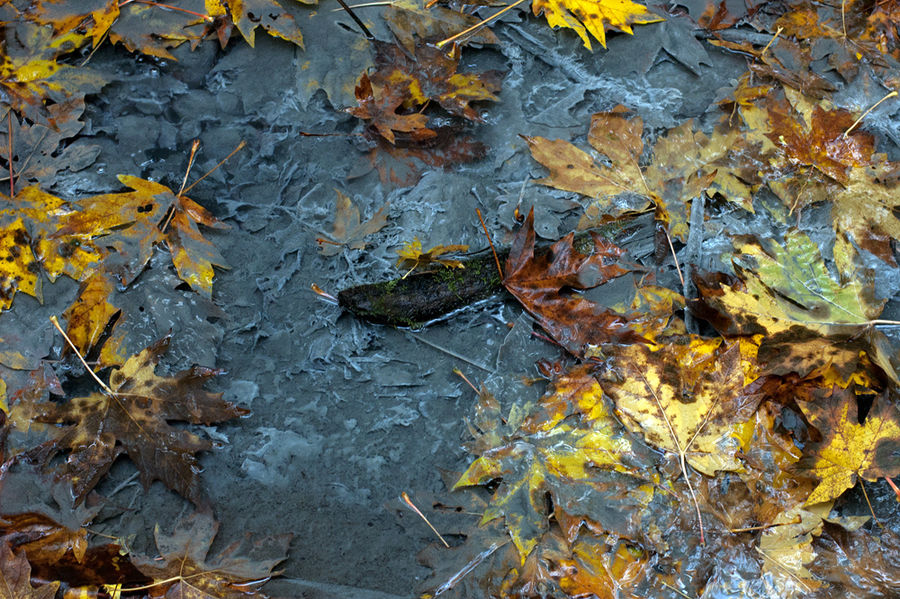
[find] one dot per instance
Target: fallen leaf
(787, 287)
(850, 449)
(542, 283)
(348, 230)
(787, 550)
(185, 569)
(413, 24)
(134, 222)
(379, 105)
(41, 151)
(135, 419)
(688, 399)
(90, 314)
(413, 256)
(408, 82)
(572, 448)
(593, 16)
(684, 164)
(30, 75)
(19, 269)
(15, 576)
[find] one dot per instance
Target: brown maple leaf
(134, 417)
(544, 282)
(184, 568)
(15, 578)
(379, 105)
(819, 141)
(348, 229)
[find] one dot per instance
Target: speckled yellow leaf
(687, 398)
(19, 268)
(89, 314)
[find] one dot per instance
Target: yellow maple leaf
(849, 449)
(594, 16)
(412, 256)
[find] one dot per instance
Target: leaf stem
(863, 115)
(476, 26)
(103, 385)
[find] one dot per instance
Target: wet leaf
(135, 222)
(688, 398)
(15, 576)
(407, 83)
(89, 315)
(788, 287)
(685, 163)
(412, 255)
(818, 140)
(866, 209)
(30, 74)
(185, 568)
(19, 268)
(593, 16)
(348, 230)
(542, 283)
(848, 448)
(787, 550)
(135, 420)
(268, 14)
(571, 448)
(379, 105)
(413, 24)
(41, 151)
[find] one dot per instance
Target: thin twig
(774, 37)
(674, 257)
(447, 351)
(353, 16)
(213, 169)
(409, 502)
(9, 136)
(476, 26)
(863, 115)
(103, 386)
(490, 241)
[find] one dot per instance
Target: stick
(422, 516)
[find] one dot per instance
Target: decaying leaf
(685, 164)
(596, 476)
(348, 230)
(15, 578)
(542, 283)
(788, 286)
(31, 75)
(134, 222)
(688, 398)
(402, 84)
(89, 315)
(135, 420)
(593, 16)
(787, 550)
(184, 568)
(849, 449)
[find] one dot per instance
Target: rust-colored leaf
(544, 283)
